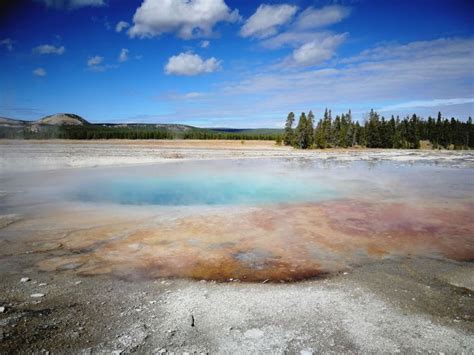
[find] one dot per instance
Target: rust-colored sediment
(291, 242)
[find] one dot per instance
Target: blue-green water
(241, 182)
(201, 189)
(255, 182)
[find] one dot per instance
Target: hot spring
(251, 220)
(202, 189)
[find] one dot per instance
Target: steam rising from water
(248, 220)
(202, 189)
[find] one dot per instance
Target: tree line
(90, 131)
(377, 132)
(209, 134)
(84, 133)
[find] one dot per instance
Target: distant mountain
(9, 122)
(171, 127)
(71, 126)
(59, 119)
(63, 119)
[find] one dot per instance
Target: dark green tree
(288, 136)
(310, 128)
(372, 127)
(303, 138)
(319, 136)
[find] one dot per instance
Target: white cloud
(302, 30)
(312, 18)
(121, 25)
(317, 51)
(427, 103)
(39, 72)
(94, 61)
(193, 95)
(73, 4)
(191, 64)
(293, 39)
(430, 72)
(49, 49)
(7, 43)
(440, 47)
(266, 20)
(205, 44)
(96, 64)
(188, 19)
(123, 56)
(312, 46)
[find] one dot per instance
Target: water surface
(252, 220)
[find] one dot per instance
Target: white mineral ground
(102, 288)
(44, 155)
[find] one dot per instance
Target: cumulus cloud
(312, 18)
(188, 19)
(49, 49)
(266, 20)
(191, 64)
(306, 28)
(94, 61)
(72, 4)
(205, 44)
(292, 39)
(7, 43)
(435, 69)
(123, 56)
(435, 72)
(318, 51)
(121, 25)
(300, 31)
(39, 72)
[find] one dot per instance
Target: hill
(72, 126)
(63, 119)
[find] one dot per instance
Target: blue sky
(234, 63)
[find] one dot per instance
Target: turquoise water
(253, 182)
(202, 189)
(241, 182)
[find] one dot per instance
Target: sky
(244, 64)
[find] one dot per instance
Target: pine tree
(336, 131)
(319, 138)
(344, 132)
(327, 128)
(302, 136)
(377, 132)
(413, 133)
(373, 130)
(288, 136)
(310, 128)
(469, 133)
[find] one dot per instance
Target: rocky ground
(403, 306)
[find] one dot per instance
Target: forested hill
(71, 126)
(378, 132)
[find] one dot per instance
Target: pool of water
(202, 189)
(215, 183)
(254, 220)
